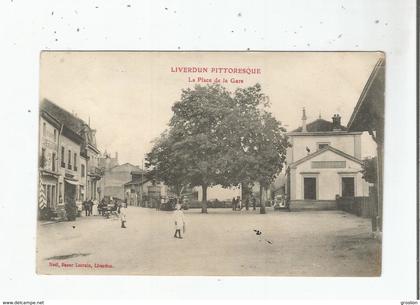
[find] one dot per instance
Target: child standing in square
(123, 217)
(179, 221)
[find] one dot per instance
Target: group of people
(88, 207)
(112, 205)
(237, 204)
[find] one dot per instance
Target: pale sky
(128, 95)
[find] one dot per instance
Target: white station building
(324, 162)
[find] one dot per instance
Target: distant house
(142, 191)
(114, 178)
(324, 161)
(136, 188)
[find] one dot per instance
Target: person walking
(254, 202)
(90, 207)
(179, 221)
(86, 207)
(239, 203)
(233, 204)
(247, 203)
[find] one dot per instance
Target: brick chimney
(304, 120)
(336, 120)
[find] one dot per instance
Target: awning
(71, 181)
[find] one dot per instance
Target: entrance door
(347, 184)
(309, 187)
(69, 193)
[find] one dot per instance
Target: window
(69, 160)
(53, 162)
(49, 195)
(75, 162)
(60, 192)
(323, 145)
(82, 168)
(62, 157)
(44, 129)
(81, 193)
(43, 160)
(55, 135)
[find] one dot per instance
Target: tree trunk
(262, 203)
(204, 199)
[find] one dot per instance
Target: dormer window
(323, 145)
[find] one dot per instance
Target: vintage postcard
(211, 163)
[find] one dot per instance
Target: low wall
(359, 206)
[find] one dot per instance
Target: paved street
(223, 242)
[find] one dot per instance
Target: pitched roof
(137, 181)
(70, 121)
(63, 116)
(319, 125)
(369, 110)
(124, 167)
(327, 148)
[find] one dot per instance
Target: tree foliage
(216, 137)
(369, 169)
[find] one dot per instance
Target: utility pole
(141, 183)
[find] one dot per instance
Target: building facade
(141, 191)
(114, 178)
(324, 161)
(48, 158)
(67, 153)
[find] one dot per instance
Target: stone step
(319, 205)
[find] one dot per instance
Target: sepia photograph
(210, 163)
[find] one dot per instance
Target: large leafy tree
(189, 153)
(216, 137)
(258, 140)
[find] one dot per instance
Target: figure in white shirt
(123, 216)
(179, 221)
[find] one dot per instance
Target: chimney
(336, 120)
(304, 120)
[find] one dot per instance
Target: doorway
(309, 188)
(69, 193)
(347, 186)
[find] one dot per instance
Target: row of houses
(68, 159)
